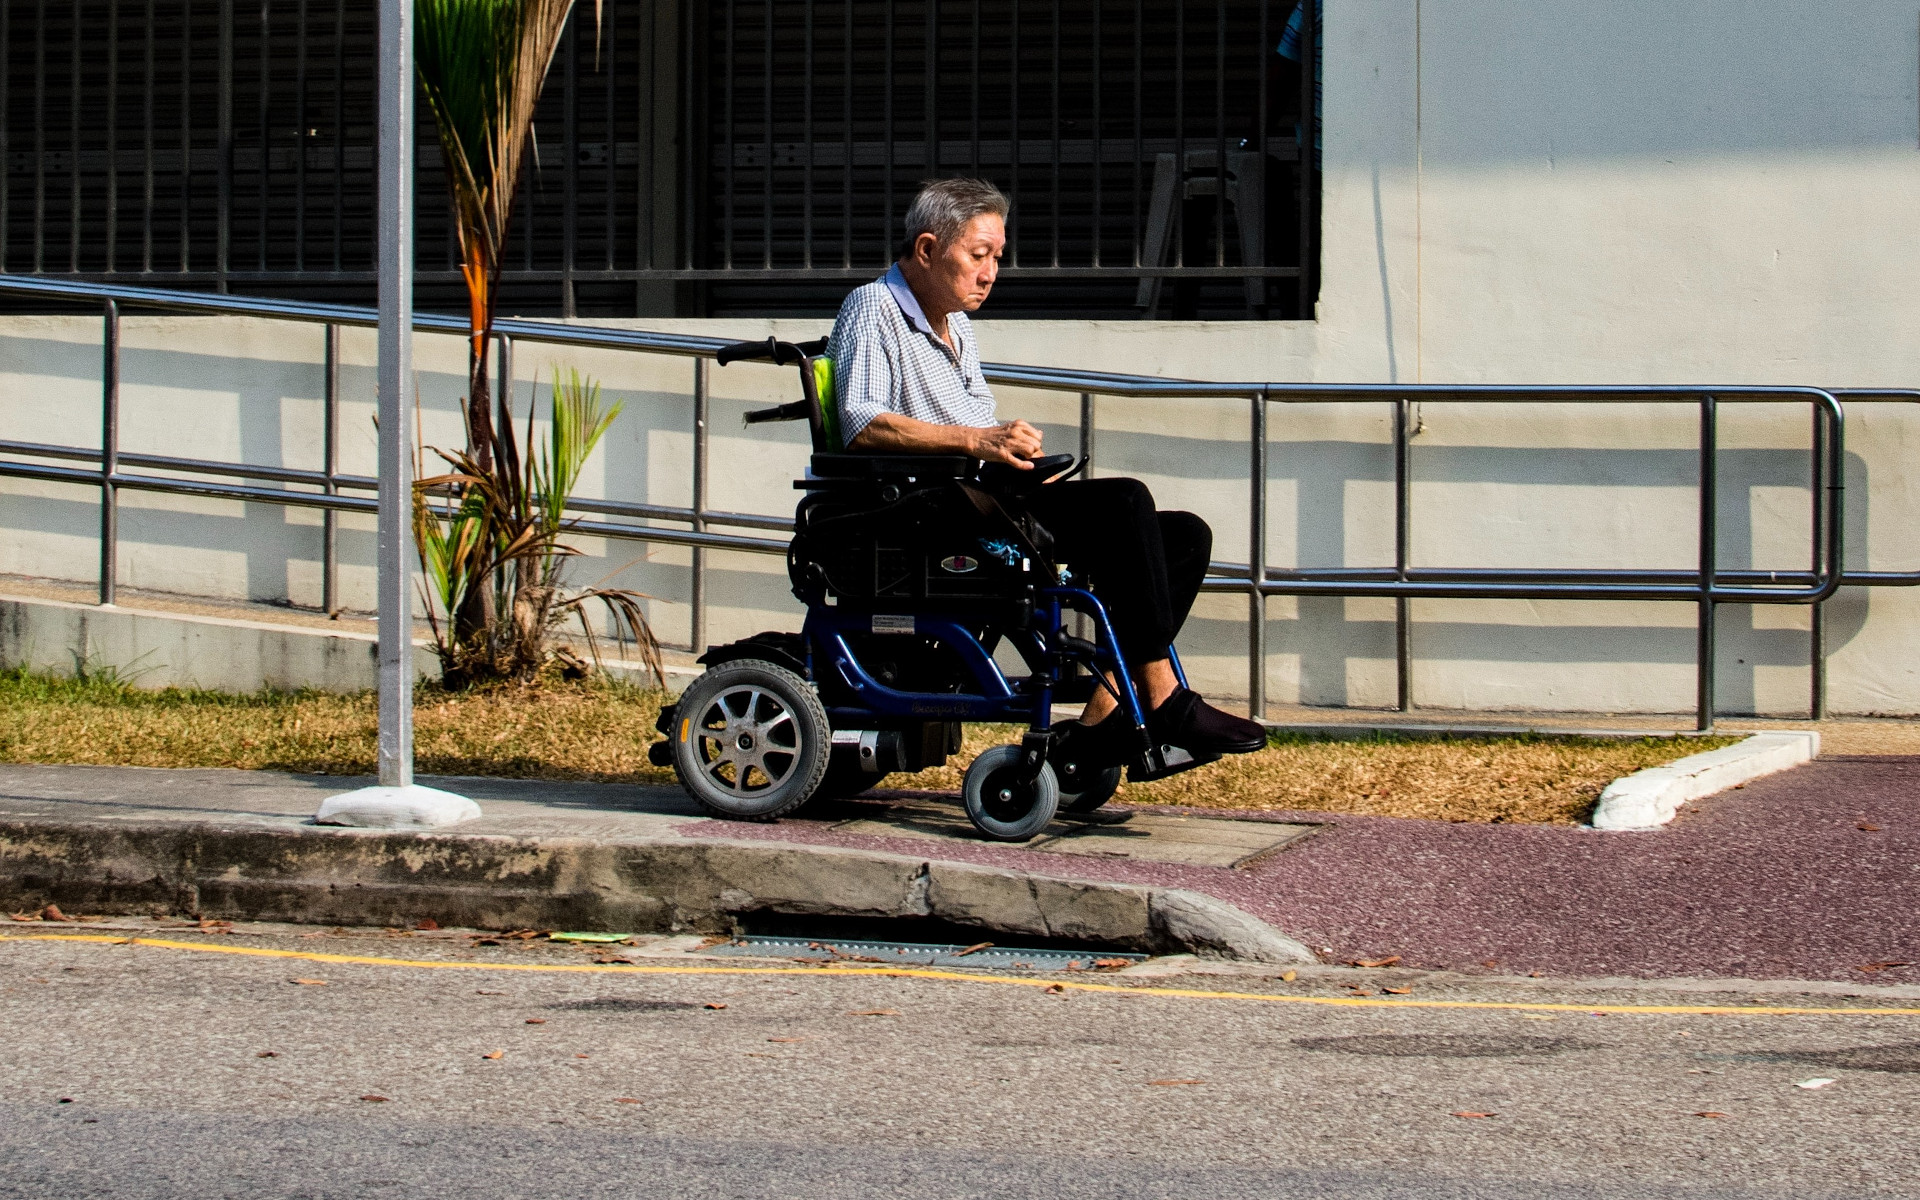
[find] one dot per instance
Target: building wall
(1516, 191)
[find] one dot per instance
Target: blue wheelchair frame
(998, 698)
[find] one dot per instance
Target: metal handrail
(1706, 585)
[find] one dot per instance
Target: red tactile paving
(1810, 874)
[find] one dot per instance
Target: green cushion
(829, 408)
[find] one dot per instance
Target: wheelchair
(915, 570)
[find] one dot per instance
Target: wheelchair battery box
(974, 569)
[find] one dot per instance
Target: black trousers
(1144, 564)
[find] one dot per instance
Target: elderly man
(907, 375)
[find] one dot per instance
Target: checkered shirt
(886, 358)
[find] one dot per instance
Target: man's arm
(890, 433)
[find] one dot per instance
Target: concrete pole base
(410, 807)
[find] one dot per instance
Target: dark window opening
(728, 158)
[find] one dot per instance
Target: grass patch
(600, 731)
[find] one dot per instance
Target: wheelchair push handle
(782, 353)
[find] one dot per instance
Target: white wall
(1520, 191)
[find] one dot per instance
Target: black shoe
(1187, 721)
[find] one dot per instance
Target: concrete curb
(1649, 799)
(319, 875)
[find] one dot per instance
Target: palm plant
(492, 555)
(482, 65)
(499, 532)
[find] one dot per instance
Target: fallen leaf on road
(373, 1099)
(874, 1012)
(52, 913)
(1489, 962)
(716, 1006)
(427, 923)
(483, 992)
(798, 1039)
(1397, 991)
(1174, 1082)
(625, 1100)
(1709, 1113)
(536, 1020)
(309, 982)
(608, 962)
(1388, 961)
(1472, 1116)
(976, 948)
(1289, 976)
(1818, 1081)
(495, 1054)
(1112, 964)
(486, 941)
(1865, 827)
(20, 916)
(1057, 989)
(268, 1054)
(1881, 966)
(579, 1056)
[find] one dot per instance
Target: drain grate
(921, 954)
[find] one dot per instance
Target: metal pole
(330, 463)
(1817, 649)
(1402, 605)
(394, 183)
(1086, 433)
(1257, 563)
(109, 450)
(1709, 500)
(697, 636)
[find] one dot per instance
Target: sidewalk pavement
(1810, 874)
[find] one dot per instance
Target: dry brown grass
(601, 731)
(561, 731)
(1534, 780)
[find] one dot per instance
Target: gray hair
(945, 206)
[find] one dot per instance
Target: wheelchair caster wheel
(1084, 789)
(1002, 807)
(752, 740)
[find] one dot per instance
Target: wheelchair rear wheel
(1003, 807)
(752, 742)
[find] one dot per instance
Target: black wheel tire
(751, 741)
(846, 778)
(1002, 809)
(1095, 787)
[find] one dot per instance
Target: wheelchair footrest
(1163, 761)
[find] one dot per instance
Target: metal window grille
(735, 157)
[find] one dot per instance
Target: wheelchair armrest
(891, 466)
(1009, 479)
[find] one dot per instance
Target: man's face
(962, 272)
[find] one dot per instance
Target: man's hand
(1014, 442)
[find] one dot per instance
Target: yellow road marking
(1700, 1010)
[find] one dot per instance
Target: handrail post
(1709, 502)
(1402, 605)
(109, 450)
(1817, 639)
(330, 464)
(1086, 433)
(1257, 562)
(697, 636)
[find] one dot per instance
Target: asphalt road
(136, 1071)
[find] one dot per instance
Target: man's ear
(925, 249)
